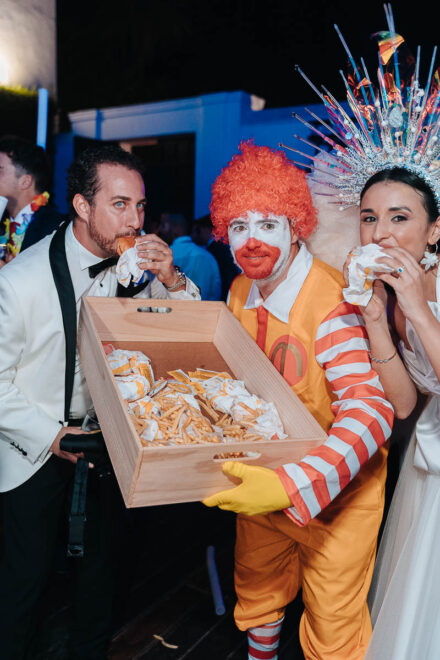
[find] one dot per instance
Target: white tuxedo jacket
(32, 358)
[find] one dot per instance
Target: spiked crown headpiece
(396, 124)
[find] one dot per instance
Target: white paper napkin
(362, 271)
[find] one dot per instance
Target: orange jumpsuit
(326, 543)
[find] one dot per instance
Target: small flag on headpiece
(388, 44)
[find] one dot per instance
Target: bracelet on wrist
(382, 360)
(181, 280)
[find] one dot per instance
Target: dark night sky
(114, 53)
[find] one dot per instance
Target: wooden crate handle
(250, 456)
(155, 310)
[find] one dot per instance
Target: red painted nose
(253, 244)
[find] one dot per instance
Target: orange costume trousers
(331, 559)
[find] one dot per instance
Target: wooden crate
(189, 335)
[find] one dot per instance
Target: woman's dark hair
(402, 175)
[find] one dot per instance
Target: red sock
(263, 641)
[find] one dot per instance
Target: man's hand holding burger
(154, 255)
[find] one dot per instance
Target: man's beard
(107, 244)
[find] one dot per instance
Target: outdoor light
(43, 104)
(4, 77)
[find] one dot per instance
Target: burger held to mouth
(125, 242)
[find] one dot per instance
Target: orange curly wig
(261, 179)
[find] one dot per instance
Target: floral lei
(14, 233)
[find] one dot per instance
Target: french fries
(184, 410)
(181, 423)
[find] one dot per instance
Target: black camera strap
(66, 295)
(77, 518)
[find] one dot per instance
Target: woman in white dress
(385, 153)
(399, 212)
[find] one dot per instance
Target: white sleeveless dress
(405, 594)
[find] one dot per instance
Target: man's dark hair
(28, 158)
(82, 175)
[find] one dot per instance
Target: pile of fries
(197, 408)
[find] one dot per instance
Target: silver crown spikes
(396, 124)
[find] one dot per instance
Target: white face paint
(261, 244)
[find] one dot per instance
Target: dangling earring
(430, 259)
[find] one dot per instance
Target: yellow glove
(261, 491)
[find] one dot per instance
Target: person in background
(197, 263)
(25, 174)
(202, 235)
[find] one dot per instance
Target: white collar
(281, 301)
(19, 217)
(83, 256)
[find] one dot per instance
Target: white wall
(28, 43)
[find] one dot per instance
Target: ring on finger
(400, 269)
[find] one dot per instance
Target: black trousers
(31, 519)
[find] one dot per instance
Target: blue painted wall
(219, 122)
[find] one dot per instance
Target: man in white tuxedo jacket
(107, 199)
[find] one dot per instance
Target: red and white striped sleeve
(363, 417)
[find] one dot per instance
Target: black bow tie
(102, 265)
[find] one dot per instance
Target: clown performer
(313, 524)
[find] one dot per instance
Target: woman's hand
(407, 280)
(376, 310)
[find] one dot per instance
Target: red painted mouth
(257, 259)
